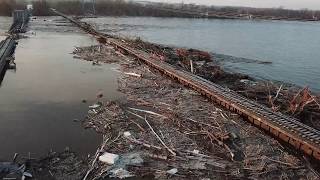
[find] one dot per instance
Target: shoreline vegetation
(129, 8)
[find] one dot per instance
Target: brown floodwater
(42, 98)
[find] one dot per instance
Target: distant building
(315, 18)
(30, 7)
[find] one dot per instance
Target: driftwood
(151, 128)
(191, 125)
(96, 158)
(148, 112)
(143, 144)
(301, 100)
(133, 74)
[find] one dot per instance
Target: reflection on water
(5, 23)
(41, 99)
(292, 47)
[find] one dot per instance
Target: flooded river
(41, 100)
(292, 47)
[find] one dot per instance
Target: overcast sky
(291, 4)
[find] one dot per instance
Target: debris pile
(96, 54)
(65, 165)
(291, 100)
(14, 170)
(163, 130)
(276, 95)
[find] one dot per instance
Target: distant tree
(68, 7)
(130, 8)
(41, 8)
(6, 7)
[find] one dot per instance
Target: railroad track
(20, 21)
(17, 27)
(288, 129)
(14, 27)
(7, 47)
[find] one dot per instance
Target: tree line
(7, 6)
(129, 8)
(75, 7)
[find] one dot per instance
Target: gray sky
(291, 4)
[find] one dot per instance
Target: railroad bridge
(20, 21)
(8, 46)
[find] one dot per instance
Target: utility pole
(94, 6)
(82, 6)
(90, 5)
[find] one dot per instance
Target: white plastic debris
(92, 111)
(127, 134)
(94, 106)
(196, 151)
(109, 158)
(244, 81)
(131, 146)
(172, 171)
(120, 173)
(27, 174)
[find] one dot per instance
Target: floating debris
(109, 158)
(95, 106)
(172, 171)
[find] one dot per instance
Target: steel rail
(8, 45)
(6, 49)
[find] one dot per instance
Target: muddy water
(292, 47)
(40, 101)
